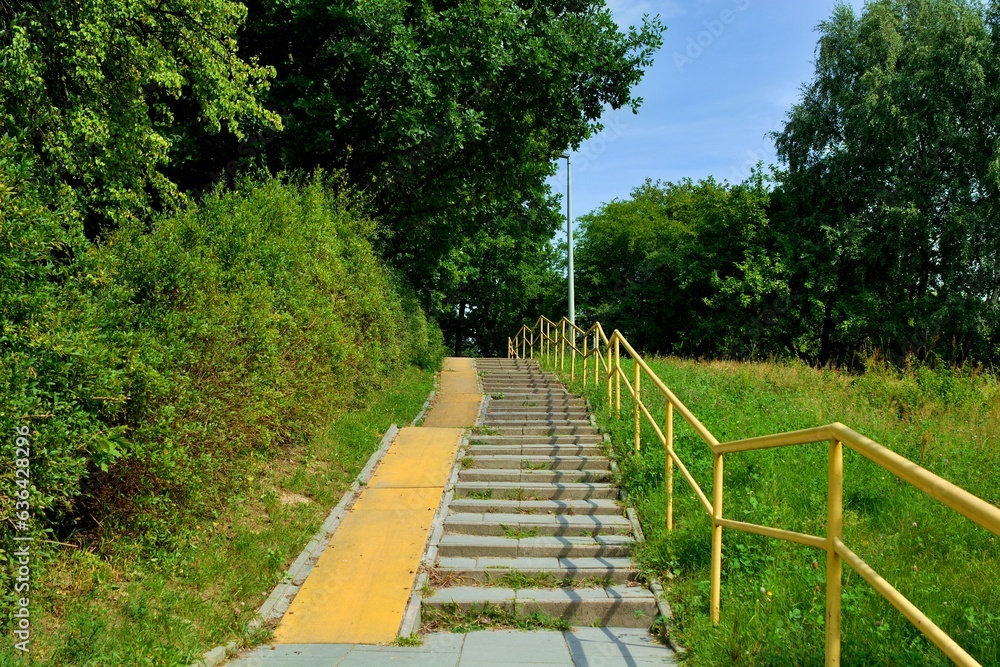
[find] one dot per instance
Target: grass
(111, 607)
(450, 618)
(518, 580)
(773, 600)
(412, 640)
(518, 533)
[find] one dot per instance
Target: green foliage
(678, 265)
(59, 376)
(889, 204)
(125, 605)
(773, 592)
(449, 116)
(151, 368)
(101, 90)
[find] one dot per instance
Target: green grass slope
(773, 592)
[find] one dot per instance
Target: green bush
(149, 369)
(55, 367)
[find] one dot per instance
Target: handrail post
(638, 399)
(585, 361)
(610, 372)
(524, 341)
(597, 360)
(572, 356)
(618, 379)
(562, 341)
(531, 352)
(669, 437)
(834, 564)
(716, 542)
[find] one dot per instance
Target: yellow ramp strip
(358, 589)
(455, 410)
(458, 398)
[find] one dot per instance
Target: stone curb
(653, 582)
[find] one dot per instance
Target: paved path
(352, 603)
(584, 647)
(359, 588)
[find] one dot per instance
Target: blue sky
(727, 75)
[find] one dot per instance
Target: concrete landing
(583, 647)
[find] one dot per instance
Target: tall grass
(773, 598)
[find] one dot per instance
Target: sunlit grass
(773, 593)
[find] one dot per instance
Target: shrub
(152, 368)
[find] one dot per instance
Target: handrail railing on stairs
(553, 339)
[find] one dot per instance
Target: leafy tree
(448, 115)
(100, 90)
(889, 204)
(687, 268)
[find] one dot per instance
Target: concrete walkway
(359, 588)
(583, 647)
(350, 607)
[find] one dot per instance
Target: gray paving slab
(598, 647)
(376, 656)
(510, 647)
(293, 655)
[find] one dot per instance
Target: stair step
(533, 476)
(486, 570)
(548, 421)
(546, 430)
(553, 546)
(615, 606)
(552, 415)
(527, 405)
(536, 450)
(535, 440)
(535, 491)
(592, 506)
(513, 462)
(554, 387)
(538, 524)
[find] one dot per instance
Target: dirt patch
(289, 498)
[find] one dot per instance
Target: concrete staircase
(534, 525)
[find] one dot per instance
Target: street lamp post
(569, 236)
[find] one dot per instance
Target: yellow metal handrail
(553, 339)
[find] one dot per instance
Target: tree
(687, 268)
(447, 114)
(100, 90)
(889, 204)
